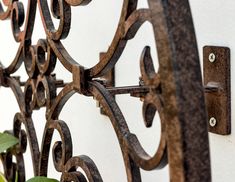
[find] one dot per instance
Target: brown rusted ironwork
(217, 78)
(175, 91)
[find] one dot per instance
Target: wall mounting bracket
(216, 64)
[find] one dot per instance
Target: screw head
(212, 122)
(211, 57)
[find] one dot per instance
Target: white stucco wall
(92, 30)
(214, 24)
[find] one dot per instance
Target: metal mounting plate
(216, 64)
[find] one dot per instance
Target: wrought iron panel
(175, 91)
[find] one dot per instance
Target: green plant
(41, 179)
(2, 178)
(6, 142)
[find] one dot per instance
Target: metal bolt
(212, 122)
(211, 57)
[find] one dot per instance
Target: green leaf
(7, 141)
(2, 178)
(42, 179)
(16, 178)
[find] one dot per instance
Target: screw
(212, 122)
(211, 57)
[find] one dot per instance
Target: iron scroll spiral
(174, 91)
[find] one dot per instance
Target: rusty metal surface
(217, 75)
(175, 91)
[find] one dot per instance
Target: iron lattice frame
(175, 91)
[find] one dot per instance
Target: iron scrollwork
(174, 91)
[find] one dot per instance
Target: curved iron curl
(60, 10)
(30, 97)
(153, 101)
(45, 91)
(45, 58)
(20, 148)
(24, 118)
(62, 155)
(128, 141)
(17, 20)
(15, 167)
(19, 119)
(130, 21)
(62, 150)
(11, 169)
(4, 14)
(78, 2)
(86, 164)
(38, 93)
(16, 10)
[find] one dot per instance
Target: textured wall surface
(214, 24)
